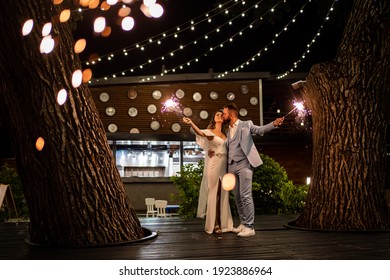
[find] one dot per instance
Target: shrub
(293, 198)
(273, 192)
(188, 182)
(9, 176)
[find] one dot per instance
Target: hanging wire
(313, 40)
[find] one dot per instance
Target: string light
(176, 31)
(303, 56)
(265, 48)
(48, 43)
(190, 26)
(239, 33)
(206, 37)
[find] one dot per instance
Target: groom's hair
(232, 107)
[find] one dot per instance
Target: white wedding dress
(214, 169)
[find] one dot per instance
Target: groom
(243, 157)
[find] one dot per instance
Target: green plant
(9, 176)
(293, 198)
(188, 181)
(273, 192)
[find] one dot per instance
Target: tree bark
(73, 189)
(347, 100)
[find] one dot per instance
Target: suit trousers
(243, 191)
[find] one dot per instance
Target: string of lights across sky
(152, 9)
(191, 25)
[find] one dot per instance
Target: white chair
(149, 201)
(161, 206)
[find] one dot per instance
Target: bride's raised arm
(194, 126)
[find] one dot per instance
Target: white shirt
(232, 130)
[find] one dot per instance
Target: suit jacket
(243, 138)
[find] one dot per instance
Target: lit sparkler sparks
(298, 106)
(172, 105)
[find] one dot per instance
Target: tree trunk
(347, 100)
(72, 187)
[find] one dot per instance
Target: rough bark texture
(347, 100)
(72, 187)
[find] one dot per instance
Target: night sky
(288, 47)
(279, 58)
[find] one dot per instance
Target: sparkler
(172, 105)
(298, 106)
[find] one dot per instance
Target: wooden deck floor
(185, 239)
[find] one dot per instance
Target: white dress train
(214, 169)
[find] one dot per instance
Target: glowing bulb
(99, 24)
(62, 95)
(93, 4)
(84, 3)
(104, 6)
(127, 23)
(112, 2)
(77, 78)
(228, 181)
(27, 27)
(149, 3)
(47, 44)
(145, 10)
(65, 15)
(106, 32)
(87, 75)
(80, 45)
(124, 12)
(39, 144)
(46, 29)
(156, 10)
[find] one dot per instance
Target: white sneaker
(246, 232)
(238, 229)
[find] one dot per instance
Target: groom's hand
(278, 122)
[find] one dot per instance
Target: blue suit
(242, 158)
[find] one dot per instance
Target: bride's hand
(187, 120)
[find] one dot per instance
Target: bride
(213, 199)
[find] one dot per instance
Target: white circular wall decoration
(253, 100)
(104, 97)
(152, 109)
(132, 112)
(155, 125)
(132, 94)
(244, 89)
(176, 127)
(243, 112)
(197, 96)
(230, 96)
(187, 112)
(180, 93)
(112, 128)
(156, 94)
(203, 114)
(110, 111)
(213, 95)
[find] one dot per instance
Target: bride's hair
(212, 123)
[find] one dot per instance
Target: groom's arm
(261, 129)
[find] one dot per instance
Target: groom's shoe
(246, 232)
(238, 229)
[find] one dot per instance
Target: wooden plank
(185, 239)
